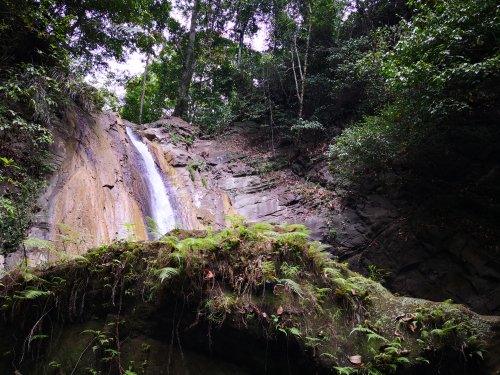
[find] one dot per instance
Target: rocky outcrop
(423, 248)
(212, 178)
(98, 193)
(249, 299)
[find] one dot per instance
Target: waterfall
(161, 209)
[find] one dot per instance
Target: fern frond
(269, 270)
(207, 243)
(289, 270)
(80, 259)
(262, 228)
(292, 285)
(297, 228)
(178, 257)
(169, 240)
(167, 273)
(153, 227)
(371, 334)
(235, 220)
(332, 273)
(33, 242)
(290, 236)
(32, 294)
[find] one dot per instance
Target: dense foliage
(46, 48)
(309, 70)
(442, 74)
(402, 77)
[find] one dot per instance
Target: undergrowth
(268, 280)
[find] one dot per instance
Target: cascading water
(161, 209)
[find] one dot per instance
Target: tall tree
(181, 105)
(301, 67)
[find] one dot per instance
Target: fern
(169, 240)
(81, 259)
(32, 294)
(262, 228)
(331, 273)
(295, 331)
(292, 285)
(343, 283)
(289, 270)
(207, 243)
(28, 274)
(167, 273)
(372, 335)
(153, 227)
(269, 270)
(288, 236)
(33, 242)
(235, 221)
(296, 228)
(178, 257)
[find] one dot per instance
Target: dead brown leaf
(355, 359)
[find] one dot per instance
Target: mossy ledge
(249, 299)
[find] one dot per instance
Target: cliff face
(99, 193)
(96, 189)
(213, 178)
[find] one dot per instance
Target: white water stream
(162, 211)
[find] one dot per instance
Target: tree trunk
(240, 47)
(300, 79)
(181, 104)
(308, 41)
(143, 93)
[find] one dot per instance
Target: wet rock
(150, 136)
(320, 173)
(289, 199)
(299, 168)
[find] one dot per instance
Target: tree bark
(143, 93)
(182, 102)
(304, 75)
(300, 79)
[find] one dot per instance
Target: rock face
(214, 178)
(98, 187)
(426, 253)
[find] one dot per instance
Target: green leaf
(32, 294)
(294, 331)
(39, 337)
(167, 273)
